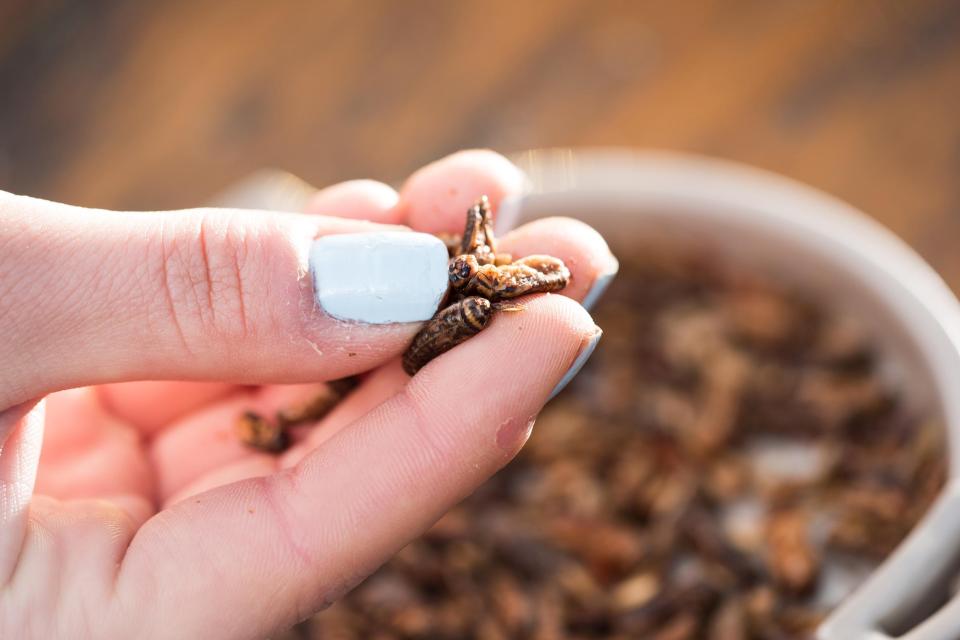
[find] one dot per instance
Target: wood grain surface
(129, 104)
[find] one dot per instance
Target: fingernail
(599, 287)
(574, 369)
(380, 277)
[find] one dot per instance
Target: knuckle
(204, 269)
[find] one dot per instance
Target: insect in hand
(532, 274)
(478, 238)
(259, 433)
(273, 436)
(480, 277)
(451, 326)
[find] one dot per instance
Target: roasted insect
(533, 274)
(478, 239)
(453, 325)
(273, 436)
(259, 433)
(479, 273)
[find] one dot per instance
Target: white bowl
(768, 222)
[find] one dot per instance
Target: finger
(21, 434)
(314, 530)
(359, 200)
(150, 405)
(88, 453)
(436, 197)
(240, 469)
(92, 296)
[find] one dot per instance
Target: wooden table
(153, 105)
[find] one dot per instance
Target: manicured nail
(574, 369)
(599, 287)
(380, 277)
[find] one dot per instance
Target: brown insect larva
(533, 274)
(453, 325)
(318, 405)
(273, 436)
(257, 432)
(478, 239)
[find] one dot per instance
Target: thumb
(92, 296)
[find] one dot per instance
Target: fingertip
(522, 355)
(436, 197)
(556, 316)
(358, 200)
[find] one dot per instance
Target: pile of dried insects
(482, 280)
(727, 466)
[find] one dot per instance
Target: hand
(149, 519)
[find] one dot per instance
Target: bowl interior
(758, 221)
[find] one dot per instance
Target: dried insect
(319, 405)
(452, 326)
(257, 432)
(478, 232)
(533, 274)
(478, 239)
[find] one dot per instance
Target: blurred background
(126, 104)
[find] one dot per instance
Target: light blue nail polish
(381, 277)
(574, 369)
(599, 287)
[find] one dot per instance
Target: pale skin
(127, 509)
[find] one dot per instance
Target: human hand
(149, 519)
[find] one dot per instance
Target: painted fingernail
(380, 277)
(600, 285)
(574, 369)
